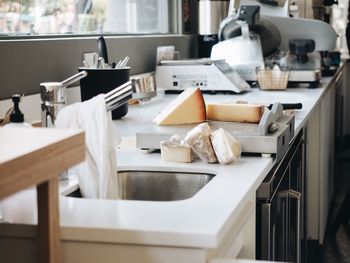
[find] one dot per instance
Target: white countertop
(200, 221)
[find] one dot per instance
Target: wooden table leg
(48, 222)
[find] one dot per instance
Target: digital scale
(206, 74)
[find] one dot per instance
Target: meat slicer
(291, 42)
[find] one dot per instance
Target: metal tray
(247, 134)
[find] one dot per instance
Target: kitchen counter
(198, 222)
(139, 116)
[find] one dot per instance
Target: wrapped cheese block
(176, 151)
(235, 112)
(199, 140)
(227, 148)
(188, 107)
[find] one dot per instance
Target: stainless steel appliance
(210, 15)
(280, 208)
(242, 52)
(254, 138)
(276, 34)
(205, 73)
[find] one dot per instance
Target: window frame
(61, 54)
(174, 22)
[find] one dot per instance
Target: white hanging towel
(97, 174)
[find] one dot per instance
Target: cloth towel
(97, 174)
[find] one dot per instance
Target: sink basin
(158, 185)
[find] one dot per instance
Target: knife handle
(292, 106)
(102, 48)
(289, 106)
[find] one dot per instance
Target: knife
(102, 48)
(289, 106)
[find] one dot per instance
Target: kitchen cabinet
(341, 109)
(320, 140)
(239, 241)
(343, 104)
(280, 208)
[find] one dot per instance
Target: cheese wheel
(187, 108)
(235, 112)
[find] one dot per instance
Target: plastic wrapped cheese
(176, 151)
(199, 140)
(227, 148)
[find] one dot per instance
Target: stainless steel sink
(158, 186)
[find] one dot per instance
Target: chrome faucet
(54, 98)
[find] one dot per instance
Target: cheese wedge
(188, 107)
(235, 112)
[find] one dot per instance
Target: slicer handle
(250, 14)
(292, 106)
(289, 106)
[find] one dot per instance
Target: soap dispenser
(16, 116)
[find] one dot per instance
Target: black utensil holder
(102, 81)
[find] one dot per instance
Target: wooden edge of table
(41, 165)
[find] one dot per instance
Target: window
(42, 17)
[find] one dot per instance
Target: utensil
(105, 81)
(285, 106)
(85, 64)
(90, 60)
(118, 64)
(289, 106)
(102, 48)
(101, 63)
(122, 63)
